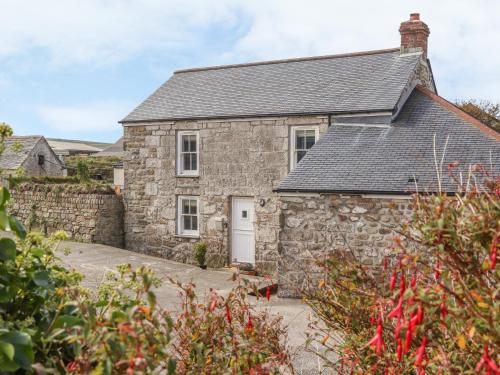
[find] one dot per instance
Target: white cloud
(463, 43)
(91, 118)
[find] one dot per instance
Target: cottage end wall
(238, 158)
(317, 226)
(51, 167)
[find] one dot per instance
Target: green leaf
(17, 227)
(172, 365)
(4, 220)
(7, 249)
(8, 349)
(67, 321)
(23, 351)
(37, 252)
(41, 278)
(99, 370)
(4, 197)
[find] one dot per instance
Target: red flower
(399, 350)
(409, 337)
(249, 326)
(493, 250)
(420, 353)
(398, 310)
(386, 262)
(402, 285)
(377, 341)
(420, 314)
(491, 366)
(268, 293)
(413, 282)
(213, 305)
(437, 272)
(228, 314)
(393, 280)
(397, 330)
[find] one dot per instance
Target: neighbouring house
(115, 151)
(29, 156)
(278, 163)
(68, 147)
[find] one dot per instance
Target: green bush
(200, 252)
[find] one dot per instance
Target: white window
(187, 153)
(188, 216)
(302, 139)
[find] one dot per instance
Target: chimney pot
(415, 17)
(414, 35)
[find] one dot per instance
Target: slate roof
(359, 82)
(67, 146)
(372, 159)
(17, 149)
(116, 149)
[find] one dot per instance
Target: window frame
(180, 216)
(179, 160)
(293, 141)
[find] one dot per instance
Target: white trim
(362, 125)
(180, 231)
(364, 114)
(293, 130)
(298, 194)
(386, 196)
(180, 171)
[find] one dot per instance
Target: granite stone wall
(85, 215)
(238, 158)
(316, 226)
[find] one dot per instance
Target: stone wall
(316, 226)
(242, 158)
(88, 215)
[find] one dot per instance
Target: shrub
(50, 324)
(431, 307)
(200, 252)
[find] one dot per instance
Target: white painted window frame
(180, 231)
(293, 141)
(180, 169)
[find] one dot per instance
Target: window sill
(191, 236)
(187, 175)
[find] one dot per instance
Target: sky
(74, 68)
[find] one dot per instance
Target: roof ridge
(459, 112)
(296, 59)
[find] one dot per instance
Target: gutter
(255, 115)
(353, 192)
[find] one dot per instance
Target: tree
(484, 110)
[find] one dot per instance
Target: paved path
(94, 261)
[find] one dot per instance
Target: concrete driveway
(94, 261)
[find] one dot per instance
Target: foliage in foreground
(435, 305)
(50, 324)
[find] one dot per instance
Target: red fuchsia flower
(397, 330)
(392, 283)
(493, 250)
(408, 338)
(420, 356)
(377, 341)
(398, 310)
(437, 272)
(413, 281)
(213, 305)
(386, 263)
(268, 293)
(229, 318)
(249, 326)
(72, 366)
(414, 321)
(490, 365)
(399, 350)
(402, 285)
(420, 313)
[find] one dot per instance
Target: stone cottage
(31, 156)
(275, 163)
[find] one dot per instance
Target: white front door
(243, 236)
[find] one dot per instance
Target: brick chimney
(414, 35)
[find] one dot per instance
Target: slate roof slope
(116, 149)
(359, 82)
(360, 159)
(17, 149)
